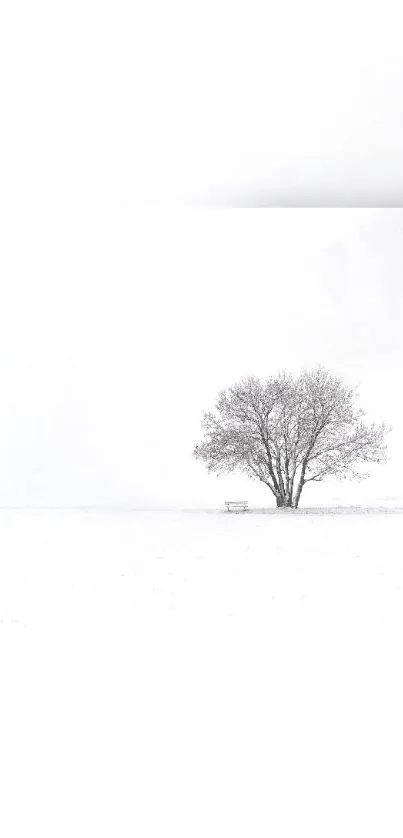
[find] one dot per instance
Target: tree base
(283, 503)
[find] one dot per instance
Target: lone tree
(287, 431)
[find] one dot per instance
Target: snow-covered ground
(201, 674)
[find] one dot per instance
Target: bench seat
(236, 504)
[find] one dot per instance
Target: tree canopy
(287, 431)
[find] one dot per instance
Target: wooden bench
(241, 505)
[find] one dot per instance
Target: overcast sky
(119, 320)
(238, 103)
(118, 327)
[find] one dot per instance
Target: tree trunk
(301, 484)
(283, 501)
(297, 496)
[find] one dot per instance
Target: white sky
(222, 101)
(118, 326)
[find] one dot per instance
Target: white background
(185, 673)
(230, 102)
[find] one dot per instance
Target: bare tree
(287, 431)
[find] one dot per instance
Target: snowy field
(201, 675)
